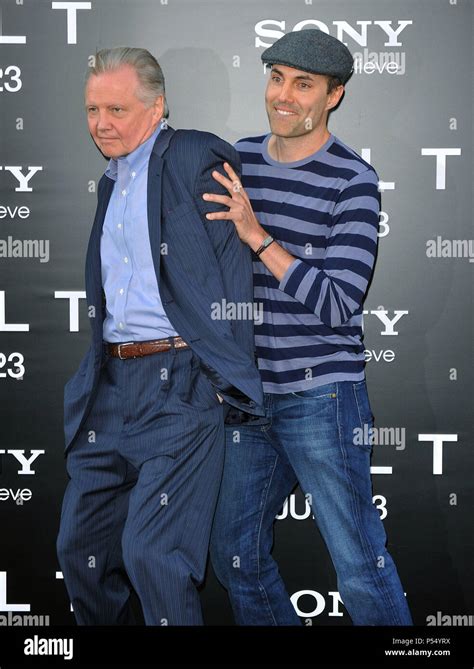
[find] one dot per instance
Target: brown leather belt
(138, 349)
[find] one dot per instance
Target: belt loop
(173, 348)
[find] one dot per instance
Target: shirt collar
(135, 160)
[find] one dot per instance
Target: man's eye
(117, 109)
(91, 110)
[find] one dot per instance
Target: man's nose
(286, 92)
(103, 121)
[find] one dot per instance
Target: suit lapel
(93, 264)
(154, 189)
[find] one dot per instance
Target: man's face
(118, 120)
(297, 102)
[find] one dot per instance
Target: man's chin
(108, 151)
(278, 131)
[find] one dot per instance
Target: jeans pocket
(363, 433)
(363, 404)
(327, 391)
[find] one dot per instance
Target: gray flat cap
(311, 50)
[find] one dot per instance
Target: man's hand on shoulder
(240, 209)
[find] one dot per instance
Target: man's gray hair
(149, 73)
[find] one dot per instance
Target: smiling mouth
(284, 112)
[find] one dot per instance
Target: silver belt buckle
(127, 343)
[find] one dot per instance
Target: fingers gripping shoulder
(215, 153)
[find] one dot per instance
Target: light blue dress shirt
(134, 308)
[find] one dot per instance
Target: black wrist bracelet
(265, 244)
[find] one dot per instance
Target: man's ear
(335, 97)
(159, 108)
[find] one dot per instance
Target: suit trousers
(144, 474)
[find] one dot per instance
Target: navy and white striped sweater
(324, 210)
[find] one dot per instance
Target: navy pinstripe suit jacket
(198, 263)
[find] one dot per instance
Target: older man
(143, 413)
(310, 214)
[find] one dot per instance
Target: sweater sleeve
(336, 290)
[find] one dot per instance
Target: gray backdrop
(409, 97)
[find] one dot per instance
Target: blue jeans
(309, 440)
